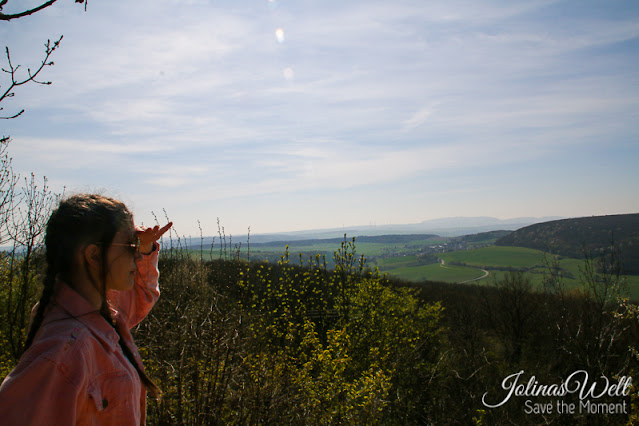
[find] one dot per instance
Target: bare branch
(8, 17)
(13, 116)
(4, 17)
(16, 81)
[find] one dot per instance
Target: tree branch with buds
(17, 81)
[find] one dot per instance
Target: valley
(480, 258)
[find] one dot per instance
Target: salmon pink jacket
(75, 373)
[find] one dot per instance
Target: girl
(81, 365)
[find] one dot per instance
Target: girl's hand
(148, 236)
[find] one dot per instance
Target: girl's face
(121, 268)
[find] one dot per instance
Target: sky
(285, 115)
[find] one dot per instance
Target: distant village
(427, 254)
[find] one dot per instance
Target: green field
(411, 268)
(465, 265)
(435, 272)
(496, 257)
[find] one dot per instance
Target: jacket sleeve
(40, 393)
(134, 305)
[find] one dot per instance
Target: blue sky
(288, 115)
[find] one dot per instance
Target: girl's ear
(92, 256)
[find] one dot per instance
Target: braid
(47, 293)
(153, 389)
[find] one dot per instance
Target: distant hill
(445, 227)
(482, 236)
(382, 239)
(569, 237)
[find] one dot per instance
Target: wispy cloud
(417, 119)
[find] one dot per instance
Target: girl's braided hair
(79, 220)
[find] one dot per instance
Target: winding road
(486, 273)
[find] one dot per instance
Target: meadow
(465, 265)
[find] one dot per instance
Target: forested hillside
(571, 237)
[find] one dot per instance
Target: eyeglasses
(135, 247)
